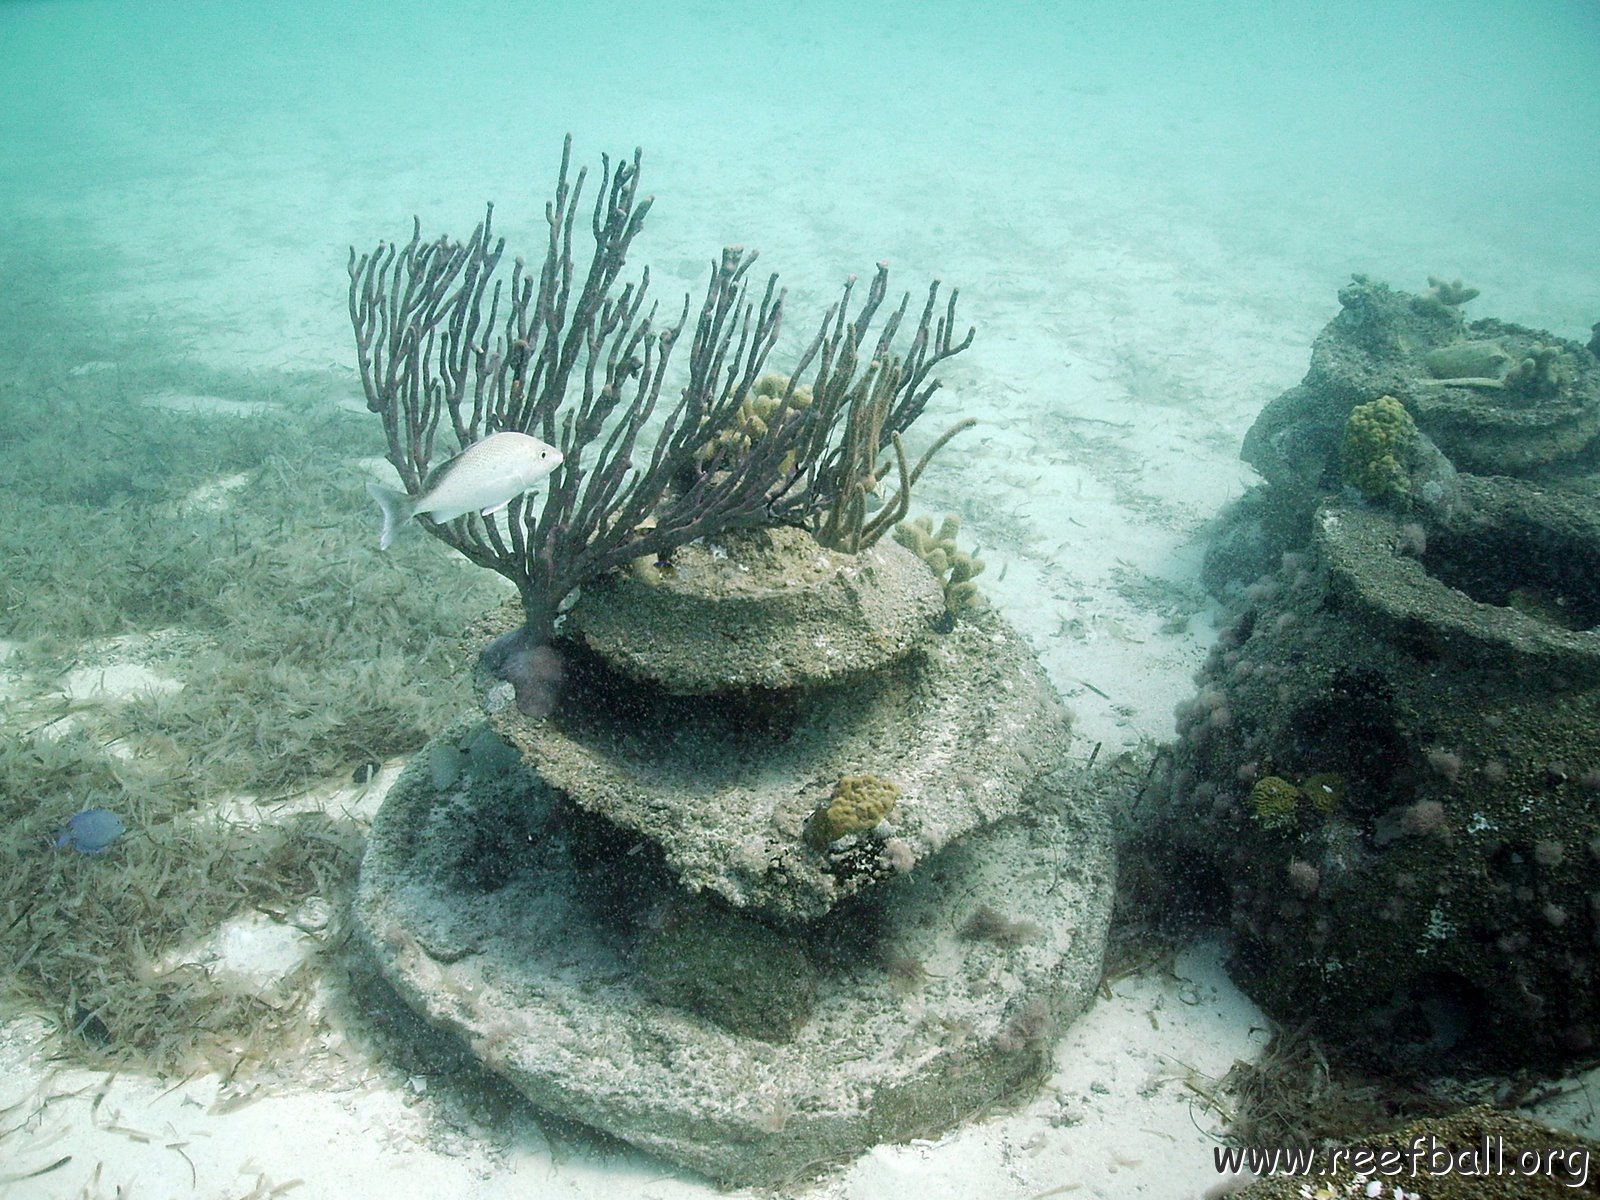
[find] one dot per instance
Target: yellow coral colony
(858, 803)
(1379, 439)
(1275, 801)
(955, 568)
(756, 412)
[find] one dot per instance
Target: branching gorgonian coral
(451, 350)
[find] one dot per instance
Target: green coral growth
(1379, 440)
(1451, 293)
(1325, 791)
(1443, 299)
(858, 803)
(955, 568)
(1274, 801)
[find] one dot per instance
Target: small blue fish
(90, 831)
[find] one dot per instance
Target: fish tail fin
(396, 508)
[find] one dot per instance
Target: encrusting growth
(858, 803)
(1379, 441)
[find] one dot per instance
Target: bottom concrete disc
(941, 996)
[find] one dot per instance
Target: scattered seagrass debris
(1466, 1153)
(1296, 1095)
(98, 943)
(298, 654)
(285, 650)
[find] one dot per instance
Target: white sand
(1148, 236)
(1118, 1118)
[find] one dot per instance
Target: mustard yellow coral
(756, 412)
(955, 568)
(1379, 439)
(858, 803)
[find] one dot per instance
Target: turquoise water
(1148, 209)
(215, 162)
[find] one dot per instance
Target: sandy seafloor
(1149, 216)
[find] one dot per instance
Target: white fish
(485, 477)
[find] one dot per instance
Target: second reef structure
(795, 865)
(1387, 781)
